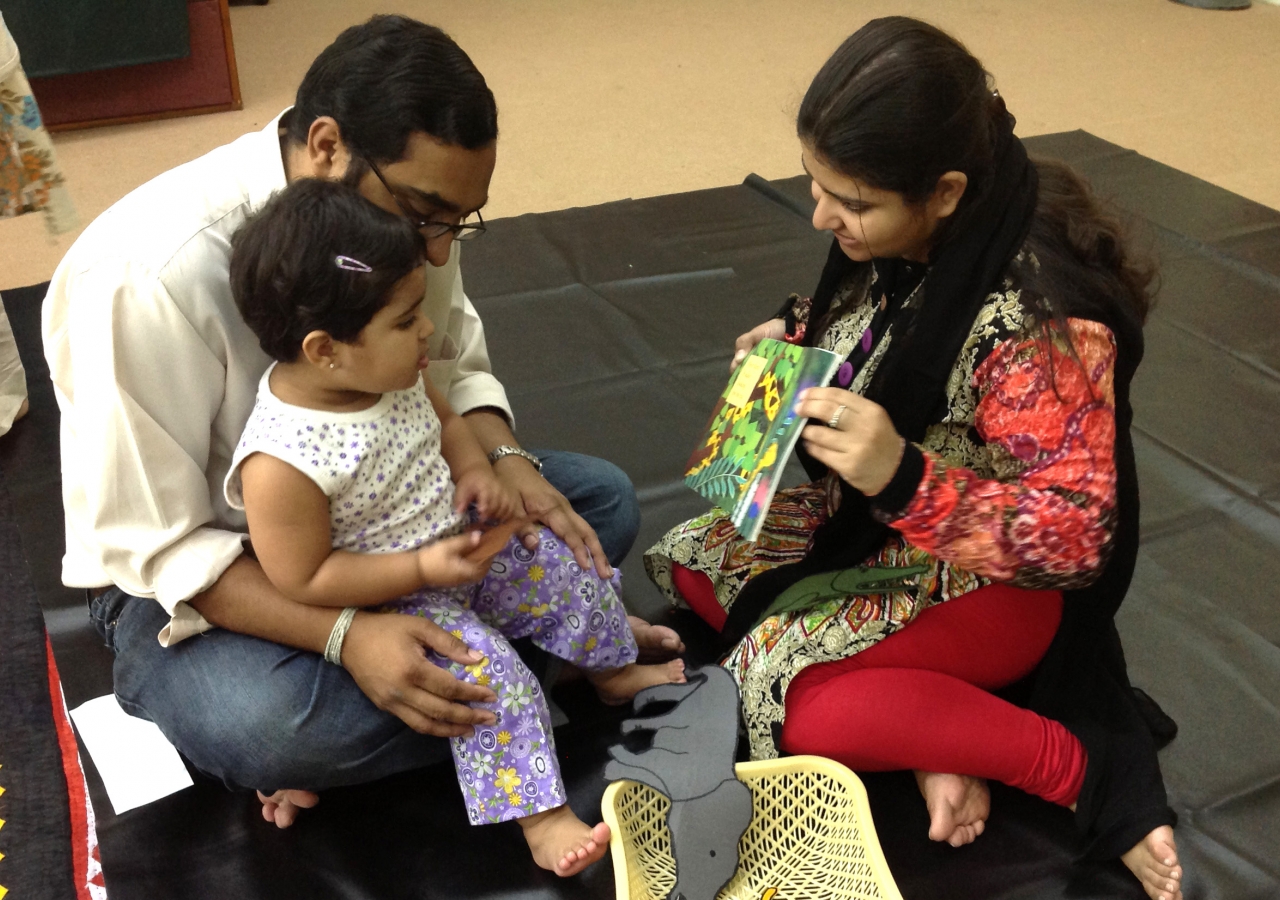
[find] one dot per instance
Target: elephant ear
(809, 592)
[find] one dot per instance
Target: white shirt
(156, 374)
(388, 485)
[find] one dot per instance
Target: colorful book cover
(754, 428)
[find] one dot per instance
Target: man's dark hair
(392, 76)
(285, 272)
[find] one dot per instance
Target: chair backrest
(811, 837)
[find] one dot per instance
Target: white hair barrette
(351, 265)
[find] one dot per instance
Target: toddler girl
(355, 474)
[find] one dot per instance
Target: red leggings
(919, 699)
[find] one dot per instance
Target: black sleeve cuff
(891, 502)
(786, 311)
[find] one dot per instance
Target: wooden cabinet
(203, 82)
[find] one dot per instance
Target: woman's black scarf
(910, 382)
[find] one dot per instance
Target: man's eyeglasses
(463, 231)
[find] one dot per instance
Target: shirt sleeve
(1046, 408)
(472, 385)
(139, 389)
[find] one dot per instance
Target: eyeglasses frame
(464, 231)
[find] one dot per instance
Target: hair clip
(351, 265)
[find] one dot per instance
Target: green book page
(754, 428)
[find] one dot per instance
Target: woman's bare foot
(618, 686)
(958, 806)
(656, 643)
(282, 807)
(1154, 861)
(563, 843)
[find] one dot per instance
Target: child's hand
(445, 563)
(480, 486)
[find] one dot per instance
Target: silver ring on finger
(834, 421)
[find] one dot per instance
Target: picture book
(754, 428)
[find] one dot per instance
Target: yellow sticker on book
(748, 377)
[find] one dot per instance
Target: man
(156, 374)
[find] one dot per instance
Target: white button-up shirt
(156, 374)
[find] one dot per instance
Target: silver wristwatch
(507, 450)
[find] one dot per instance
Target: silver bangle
(507, 450)
(333, 649)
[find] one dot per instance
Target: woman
(976, 440)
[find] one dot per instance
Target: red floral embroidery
(1049, 416)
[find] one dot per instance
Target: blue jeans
(598, 491)
(259, 715)
(251, 713)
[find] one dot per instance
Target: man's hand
(386, 655)
(543, 503)
(774, 328)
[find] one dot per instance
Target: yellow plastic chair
(811, 837)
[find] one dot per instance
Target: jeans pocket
(104, 612)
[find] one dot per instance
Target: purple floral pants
(509, 769)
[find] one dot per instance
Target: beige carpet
(605, 100)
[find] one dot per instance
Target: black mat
(612, 327)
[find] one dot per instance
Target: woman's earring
(333, 365)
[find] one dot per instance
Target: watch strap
(498, 453)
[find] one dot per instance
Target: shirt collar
(266, 175)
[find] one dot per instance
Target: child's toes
(577, 859)
(600, 834)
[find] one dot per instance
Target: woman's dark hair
(389, 77)
(285, 272)
(901, 102)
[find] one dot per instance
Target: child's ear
(319, 349)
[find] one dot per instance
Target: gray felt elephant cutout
(691, 762)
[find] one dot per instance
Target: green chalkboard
(59, 37)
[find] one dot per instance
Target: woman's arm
(289, 527)
(1050, 417)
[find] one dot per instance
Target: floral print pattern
(30, 179)
(509, 769)
(389, 488)
(1047, 416)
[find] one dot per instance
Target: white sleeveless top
(389, 488)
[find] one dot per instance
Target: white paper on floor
(137, 763)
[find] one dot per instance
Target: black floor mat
(611, 327)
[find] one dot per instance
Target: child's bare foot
(1154, 860)
(656, 643)
(958, 806)
(618, 686)
(282, 807)
(563, 843)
